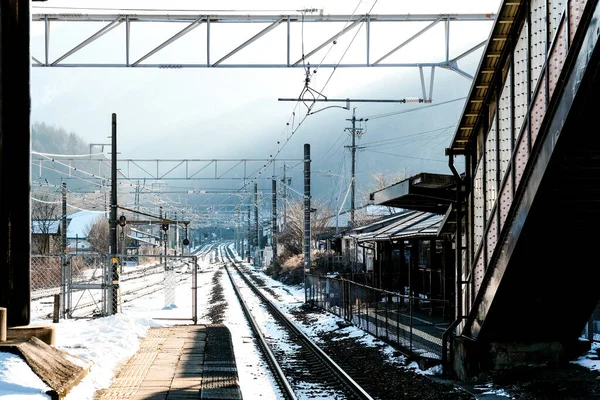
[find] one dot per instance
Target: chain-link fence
(414, 323)
(165, 284)
(91, 284)
(86, 285)
(47, 277)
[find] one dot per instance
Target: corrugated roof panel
(390, 224)
(408, 220)
(414, 224)
(426, 227)
(382, 223)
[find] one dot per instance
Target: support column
(112, 233)
(413, 267)
(256, 236)
(402, 267)
(249, 237)
(241, 233)
(15, 161)
(274, 219)
(386, 277)
(306, 216)
(64, 251)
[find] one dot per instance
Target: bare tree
(379, 181)
(292, 235)
(45, 223)
(98, 235)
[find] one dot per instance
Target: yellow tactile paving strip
(170, 365)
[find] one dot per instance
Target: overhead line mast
(353, 131)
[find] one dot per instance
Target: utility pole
(353, 131)
(240, 238)
(284, 197)
(257, 248)
(249, 236)
(176, 233)
(274, 219)
(285, 183)
(160, 231)
(306, 216)
(113, 219)
(137, 196)
(63, 235)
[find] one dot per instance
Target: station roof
(80, 223)
(143, 240)
(423, 192)
(381, 223)
(412, 224)
(487, 74)
(139, 233)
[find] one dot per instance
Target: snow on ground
(110, 341)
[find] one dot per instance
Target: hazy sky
(234, 112)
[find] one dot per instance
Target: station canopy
(423, 192)
(410, 224)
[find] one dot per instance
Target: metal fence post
(67, 298)
(195, 290)
(387, 327)
(398, 322)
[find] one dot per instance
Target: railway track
(307, 362)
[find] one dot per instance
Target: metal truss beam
(169, 169)
(229, 26)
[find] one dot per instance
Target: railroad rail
(309, 356)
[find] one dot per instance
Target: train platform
(179, 362)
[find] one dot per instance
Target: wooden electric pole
(353, 131)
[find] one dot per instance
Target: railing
(414, 324)
(337, 263)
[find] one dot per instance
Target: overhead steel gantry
(169, 169)
(156, 173)
(204, 47)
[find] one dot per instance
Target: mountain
(59, 156)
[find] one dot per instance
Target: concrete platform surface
(179, 362)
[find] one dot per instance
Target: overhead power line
(376, 116)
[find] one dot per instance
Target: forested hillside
(56, 140)
(57, 155)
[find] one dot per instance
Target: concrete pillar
(15, 161)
